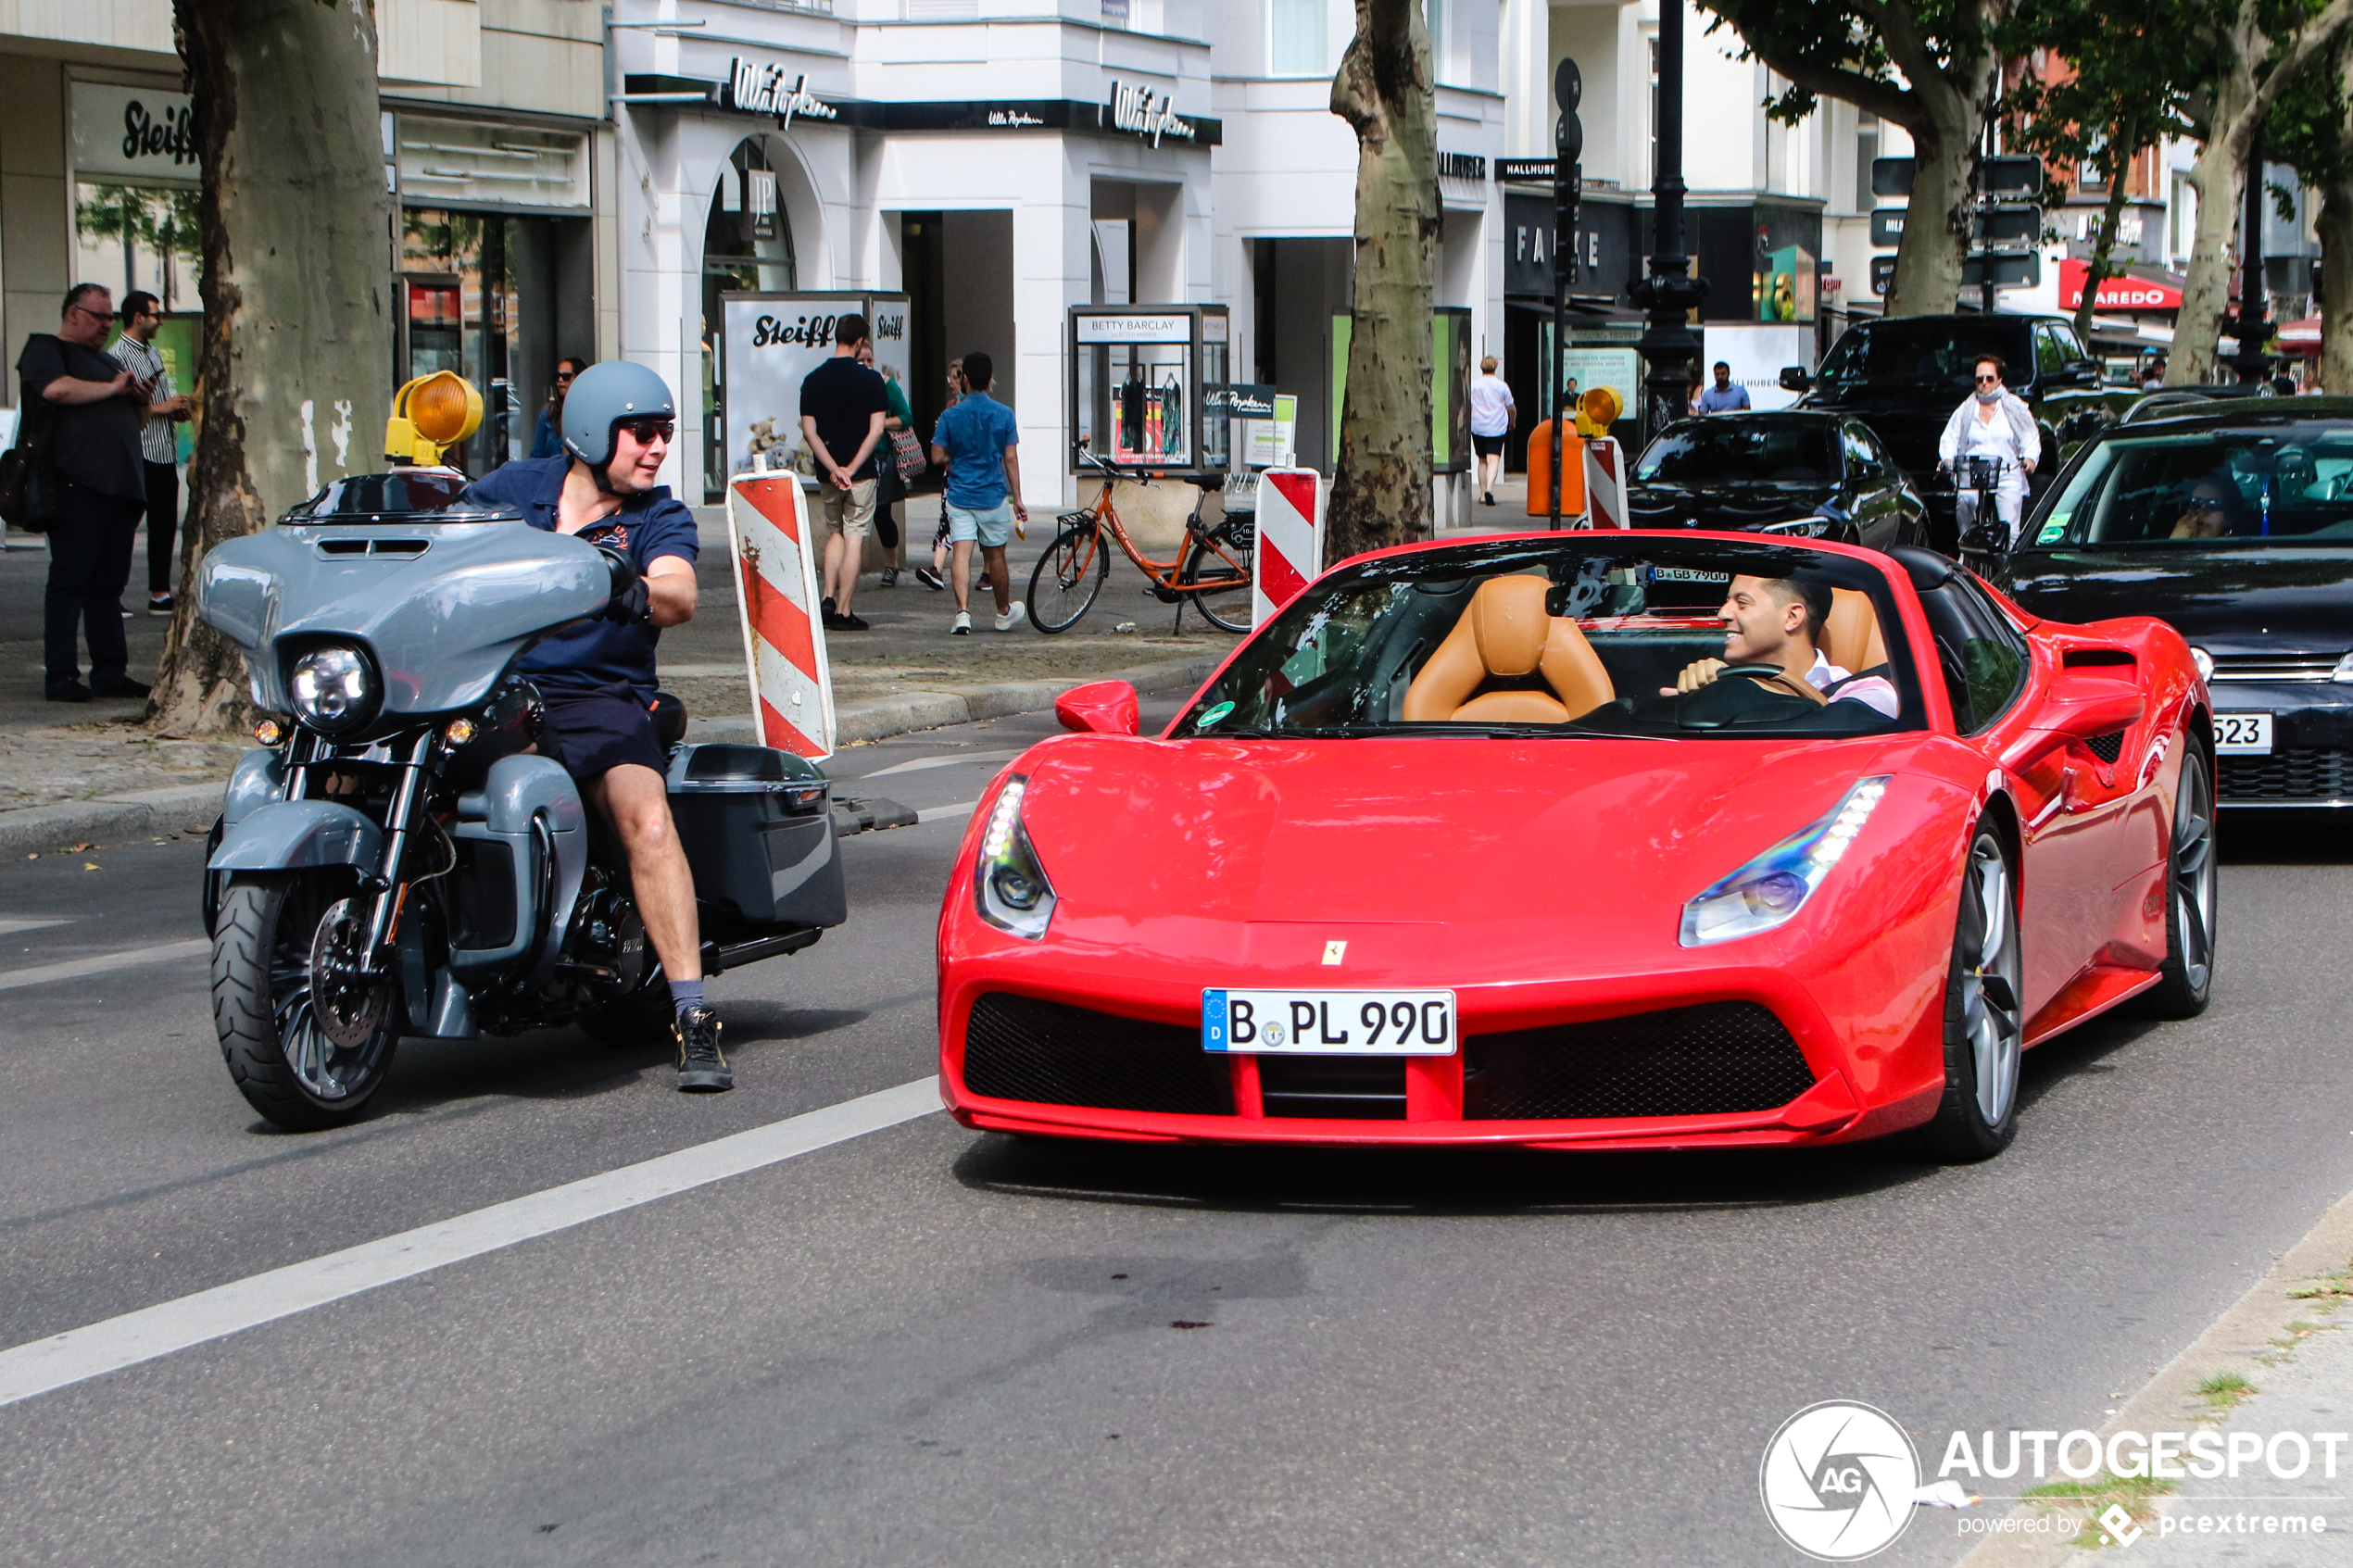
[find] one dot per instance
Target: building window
(1300, 38)
(1866, 154)
(1434, 16)
(2184, 216)
(139, 237)
(1651, 171)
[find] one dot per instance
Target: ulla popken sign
(1147, 113)
(756, 88)
(135, 131)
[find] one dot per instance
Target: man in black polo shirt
(84, 412)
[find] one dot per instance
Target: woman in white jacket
(1994, 422)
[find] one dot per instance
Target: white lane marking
(10, 927)
(43, 1365)
(920, 763)
(937, 813)
(102, 963)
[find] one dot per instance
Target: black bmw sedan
(1817, 474)
(2234, 523)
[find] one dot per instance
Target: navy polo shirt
(593, 654)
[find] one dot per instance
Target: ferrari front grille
(2273, 667)
(2107, 747)
(1357, 1087)
(2314, 774)
(1020, 1048)
(1717, 1059)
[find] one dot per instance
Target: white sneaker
(964, 627)
(1014, 617)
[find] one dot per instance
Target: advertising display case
(1141, 383)
(770, 343)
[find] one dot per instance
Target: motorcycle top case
(758, 829)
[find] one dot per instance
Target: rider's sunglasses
(647, 432)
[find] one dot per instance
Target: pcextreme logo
(1838, 1480)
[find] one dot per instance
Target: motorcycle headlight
(2205, 662)
(1009, 889)
(333, 688)
(1771, 889)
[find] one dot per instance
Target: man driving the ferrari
(1779, 621)
(597, 677)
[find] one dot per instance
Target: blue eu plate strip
(1212, 1021)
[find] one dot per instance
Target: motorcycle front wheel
(307, 1043)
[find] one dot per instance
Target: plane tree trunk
(1381, 483)
(294, 364)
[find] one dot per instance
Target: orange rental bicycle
(1212, 571)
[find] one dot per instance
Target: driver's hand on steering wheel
(1697, 673)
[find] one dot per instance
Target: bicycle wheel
(1067, 577)
(1223, 562)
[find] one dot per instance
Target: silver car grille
(2273, 667)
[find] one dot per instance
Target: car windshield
(1726, 448)
(1583, 637)
(2285, 484)
(1926, 351)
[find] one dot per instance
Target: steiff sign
(136, 130)
(758, 88)
(1146, 113)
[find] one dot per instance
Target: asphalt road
(928, 1346)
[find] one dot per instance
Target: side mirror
(2083, 705)
(1795, 378)
(1103, 708)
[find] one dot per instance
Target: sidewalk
(70, 774)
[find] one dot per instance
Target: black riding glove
(631, 606)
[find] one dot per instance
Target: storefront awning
(2116, 293)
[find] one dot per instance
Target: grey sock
(684, 994)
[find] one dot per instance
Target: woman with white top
(1491, 409)
(1993, 423)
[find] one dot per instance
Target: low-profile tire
(265, 1011)
(1985, 1026)
(1064, 584)
(639, 1019)
(2185, 982)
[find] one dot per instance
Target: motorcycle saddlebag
(758, 828)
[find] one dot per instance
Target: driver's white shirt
(1876, 690)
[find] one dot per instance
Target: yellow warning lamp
(430, 415)
(1596, 411)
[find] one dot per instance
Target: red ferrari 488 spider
(1590, 840)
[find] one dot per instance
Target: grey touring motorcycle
(394, 859)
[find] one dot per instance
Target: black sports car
(2233, 522)
(1822, 475)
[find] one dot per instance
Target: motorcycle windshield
(442, 602)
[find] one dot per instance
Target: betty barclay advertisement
(770, 343)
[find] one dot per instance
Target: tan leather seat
(1506, 633)
(1851, 638)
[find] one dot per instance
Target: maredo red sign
(2116, 294)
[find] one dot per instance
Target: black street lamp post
(1671, 292)
(2254, 331)
(1568, 147)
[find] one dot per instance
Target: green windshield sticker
(2055, 530)
(1213, 715)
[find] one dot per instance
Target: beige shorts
(850, 513)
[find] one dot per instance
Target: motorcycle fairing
(529, 806)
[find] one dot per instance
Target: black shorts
(592, 732)
(1489, 445)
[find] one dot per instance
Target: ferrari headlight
(2205, 662)
(1774, 886)
(333, 688)
(1010, 887)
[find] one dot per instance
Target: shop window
(138, 237)
(1300, 38)
(747, 244)
(479, 295)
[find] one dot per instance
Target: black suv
(1903, 376)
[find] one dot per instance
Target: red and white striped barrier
(776, 590)
(1290, 539)
(1605, 485)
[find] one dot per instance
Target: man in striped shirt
(159, 439)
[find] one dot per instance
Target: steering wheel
(1758, 671)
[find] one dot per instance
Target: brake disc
(348, 1008)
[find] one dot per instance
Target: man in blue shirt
(598, 676)
(974, 444)
(1723, 397)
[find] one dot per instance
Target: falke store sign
(757, 88)
(1146, 113)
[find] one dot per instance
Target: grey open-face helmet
(604, 396)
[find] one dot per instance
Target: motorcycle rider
(597, 677)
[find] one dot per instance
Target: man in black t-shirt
(843, 406)
(83, 411)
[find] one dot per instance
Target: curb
(191, 807)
